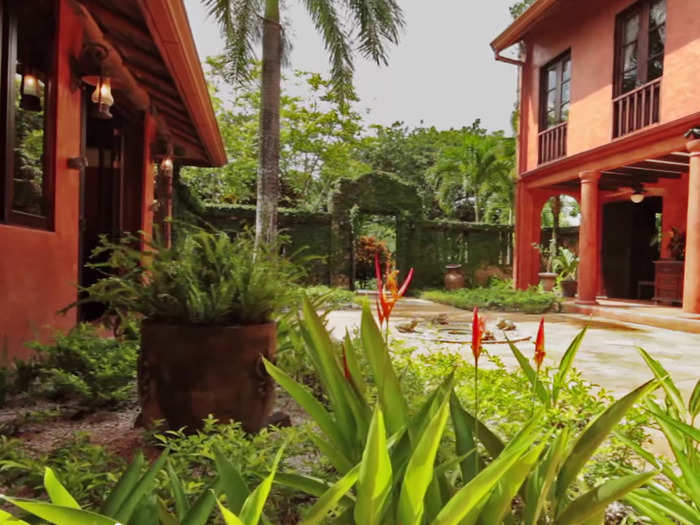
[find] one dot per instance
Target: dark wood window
(28, 107)
(641, 38)
(556, 91)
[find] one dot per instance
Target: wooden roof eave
(168, 24)
(515, 32)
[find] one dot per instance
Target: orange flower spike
(386, 308)
(380, 313)
(406, 283)
(477, 327)
(539, 345)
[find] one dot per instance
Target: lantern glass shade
(167, 164)
(637, 196)
(30, 90)
(102, 96)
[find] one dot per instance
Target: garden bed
(499, 298)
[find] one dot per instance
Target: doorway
(102, 198)
(372, 234)
(630, 247)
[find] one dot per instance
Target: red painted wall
(588, 29)
(38, 269)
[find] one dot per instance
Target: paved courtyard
(608, 356)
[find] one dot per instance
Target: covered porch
(632, 193)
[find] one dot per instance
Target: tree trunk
(268, 173)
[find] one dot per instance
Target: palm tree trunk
(268, 174)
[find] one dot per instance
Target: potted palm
(207, 306)
(566, 266)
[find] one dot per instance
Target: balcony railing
(552, 143)
(637, 108)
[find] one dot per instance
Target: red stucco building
(608, 91)
(100, 98)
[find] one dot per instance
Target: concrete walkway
(608, 356)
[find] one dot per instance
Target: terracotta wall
(588, 29)
(38, 268)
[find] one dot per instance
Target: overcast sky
(442, 73)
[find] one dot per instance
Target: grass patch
(499, 298)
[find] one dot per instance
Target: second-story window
(641, 38)
(556, 91)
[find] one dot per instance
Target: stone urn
(547, 280)
(187, 372)
(454, 277)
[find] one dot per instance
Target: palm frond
(379, 23)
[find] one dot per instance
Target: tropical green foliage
(565, 263)
(204, 278)
(498, 296)
(674, 498)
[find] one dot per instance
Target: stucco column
(526, 264)
(691, 283)
(589, 238)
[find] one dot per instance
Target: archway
(386, 198)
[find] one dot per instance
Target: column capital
(693, 146)
(589, 176)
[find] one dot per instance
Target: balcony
(636, 109)
(552, 143)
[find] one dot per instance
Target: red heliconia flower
(387, 303)
(539, 345)
(380, 312)
(478, 328)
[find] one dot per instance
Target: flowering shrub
(366, 248)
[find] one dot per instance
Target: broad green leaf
(232, 483)
(565, 364)
(8, 519)
(444, 467)
(473, 493)
(542, 480)
(532, 376)
(420, 468)
(253, 506)
(648, 509)
(594, 502)
(691, 432)
(464, 438)
(124, 486)
(595, 433)
(178, 492)
(146, 512)
(330, 372)
(309, 403)
(375, 476)
(229, 517)
(354, 366)
(331, 497)
(204, 504)
(666, 382)
(59, 515)
(331, 452)
(143, 486)
(165, 517)
(392, 401)
(694, 403)
(499, 503)
(57, 492)
(663, 503)
(492, 443)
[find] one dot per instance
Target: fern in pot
(566, 266)
(208, 305)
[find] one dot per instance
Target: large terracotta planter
(187, 372)
(454, 277)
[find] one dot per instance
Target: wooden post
(589, 238)
(691, 281)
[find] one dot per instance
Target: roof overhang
(515, 32)
(168, 24)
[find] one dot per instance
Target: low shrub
(80, 366)
(499, 298)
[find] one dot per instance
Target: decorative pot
(569, 287)
(187, 372)
(547, 280)
(454, 277)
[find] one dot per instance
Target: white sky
(443, 71)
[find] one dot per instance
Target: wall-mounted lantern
(92, 61)
(638, 195)
(30, 92)
(102, 96)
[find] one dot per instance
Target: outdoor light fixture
(30, 92)
(166, 164)
(637, 196)
(102, 96)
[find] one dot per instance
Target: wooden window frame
(643, 8)
(559, 61)
(8, 52)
